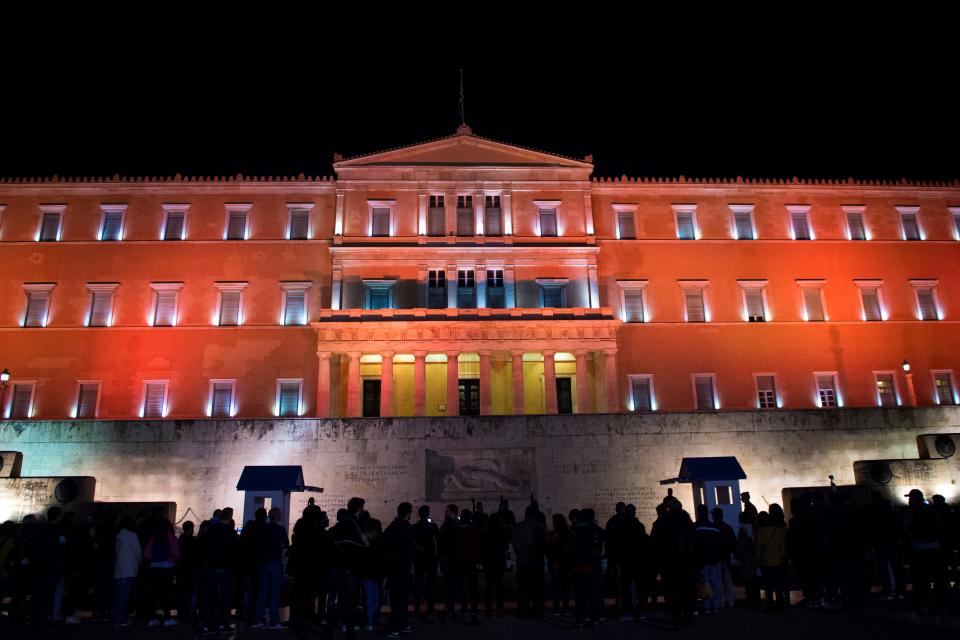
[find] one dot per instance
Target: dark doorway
(469, 397)
(371, 398)
(564, 396)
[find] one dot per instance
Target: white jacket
(128, 555)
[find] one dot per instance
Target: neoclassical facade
(469, 276)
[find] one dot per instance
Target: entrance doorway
(371, 398)
(564, 396)
(469, 396)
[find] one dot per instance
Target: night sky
(277, 88)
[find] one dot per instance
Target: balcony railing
(375, 315)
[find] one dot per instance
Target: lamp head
(5, 376)
(906, 366)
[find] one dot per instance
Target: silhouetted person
(749, 508)
(613, 547)
(452, 581)
(187, 574)
(530, 542)
(162, 555)
(924, 549)
(636, 563)
(269, 558)
(586, 559)
(219, 548)
(496, 543)
(772, 555)
(708, 555)
(729, 539)
(558, 564)
(745, 556)
(372, 571)
(125, 571)
(426, 535)
(399, 546)
(349, 544)
(803, 548)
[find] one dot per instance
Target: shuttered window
(378, 294)
(295, 307)
(436, 217)
(112, 226)
(21, 400)
(626, 225)
(492, 217)
(380, 222)
(101, 306)
(289, 398)
(495, 289)
(753, 299)
(174, 227)
(743, 224)
(548, 223)
(552, 296)
(466, 289)
(37, 305)
(237, 225)
(229, 308)
(633, 304)
(927, 303)
(299, 224)
(165, 308)
(221, 400)
(943, 383)
(154, 399)
(766, 392)
(693, 298)
(886, 392)
(855, 226)
(685, 226)
(956, 225)
(641, 393)
(813, 304)
(437, 289)
(465, 226)
(705, 399)
(50, 227)
(870, 296)
(911, 230)
(827, 390)
(801, 229)
(87, 400)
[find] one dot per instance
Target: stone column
(478, 209)
(453, 384)
(336, 286)
(517, 370)
(612, 382)
(338, 221)
(549, 383)
(386, 384)
(451, 286)
(506, 202)
(353, 384)
(419, 382)
(323, 384)
(588, 213)
(422, 202)
(486, 391)
(583, 381)
(592, 287)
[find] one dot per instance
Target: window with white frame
(222, 398)
(855, 227)
(631, 300)
(871, 309)
(466, 289)
(294, 303)
(436, 289)
(886, 389)
(641, 392)
(230, 310)
(88, 399)
(685, 216)
(465, 213)
(909, 224)
(766, 390)
(704, 392)
(743, 221)
(111, 223)
(100, 311)
(37, 309)
(547, 216)
(298, 227)
(20, 403)
(694, 302)
(51, 222)
(154, 403)
(800, 222)
(553, 292)
(827, 390)
(926, 292)
(165, 298)
(436, 216)
(378, 294)
(812, 292)
(626, 221)
(174, 221)
(943, 387)
(236, 222)
(289, 397)
(492, 216)
(496, 294)
(754, 304)
(955, 212)
(381, 218)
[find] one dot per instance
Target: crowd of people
(214, 577)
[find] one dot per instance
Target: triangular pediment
(462, 150)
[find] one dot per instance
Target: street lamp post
(911, 391)
(4, 379)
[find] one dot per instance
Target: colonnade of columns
(605, 381)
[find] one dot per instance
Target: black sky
(274, 88)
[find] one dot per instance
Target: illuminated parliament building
(467, 276)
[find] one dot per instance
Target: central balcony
(423, 314)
